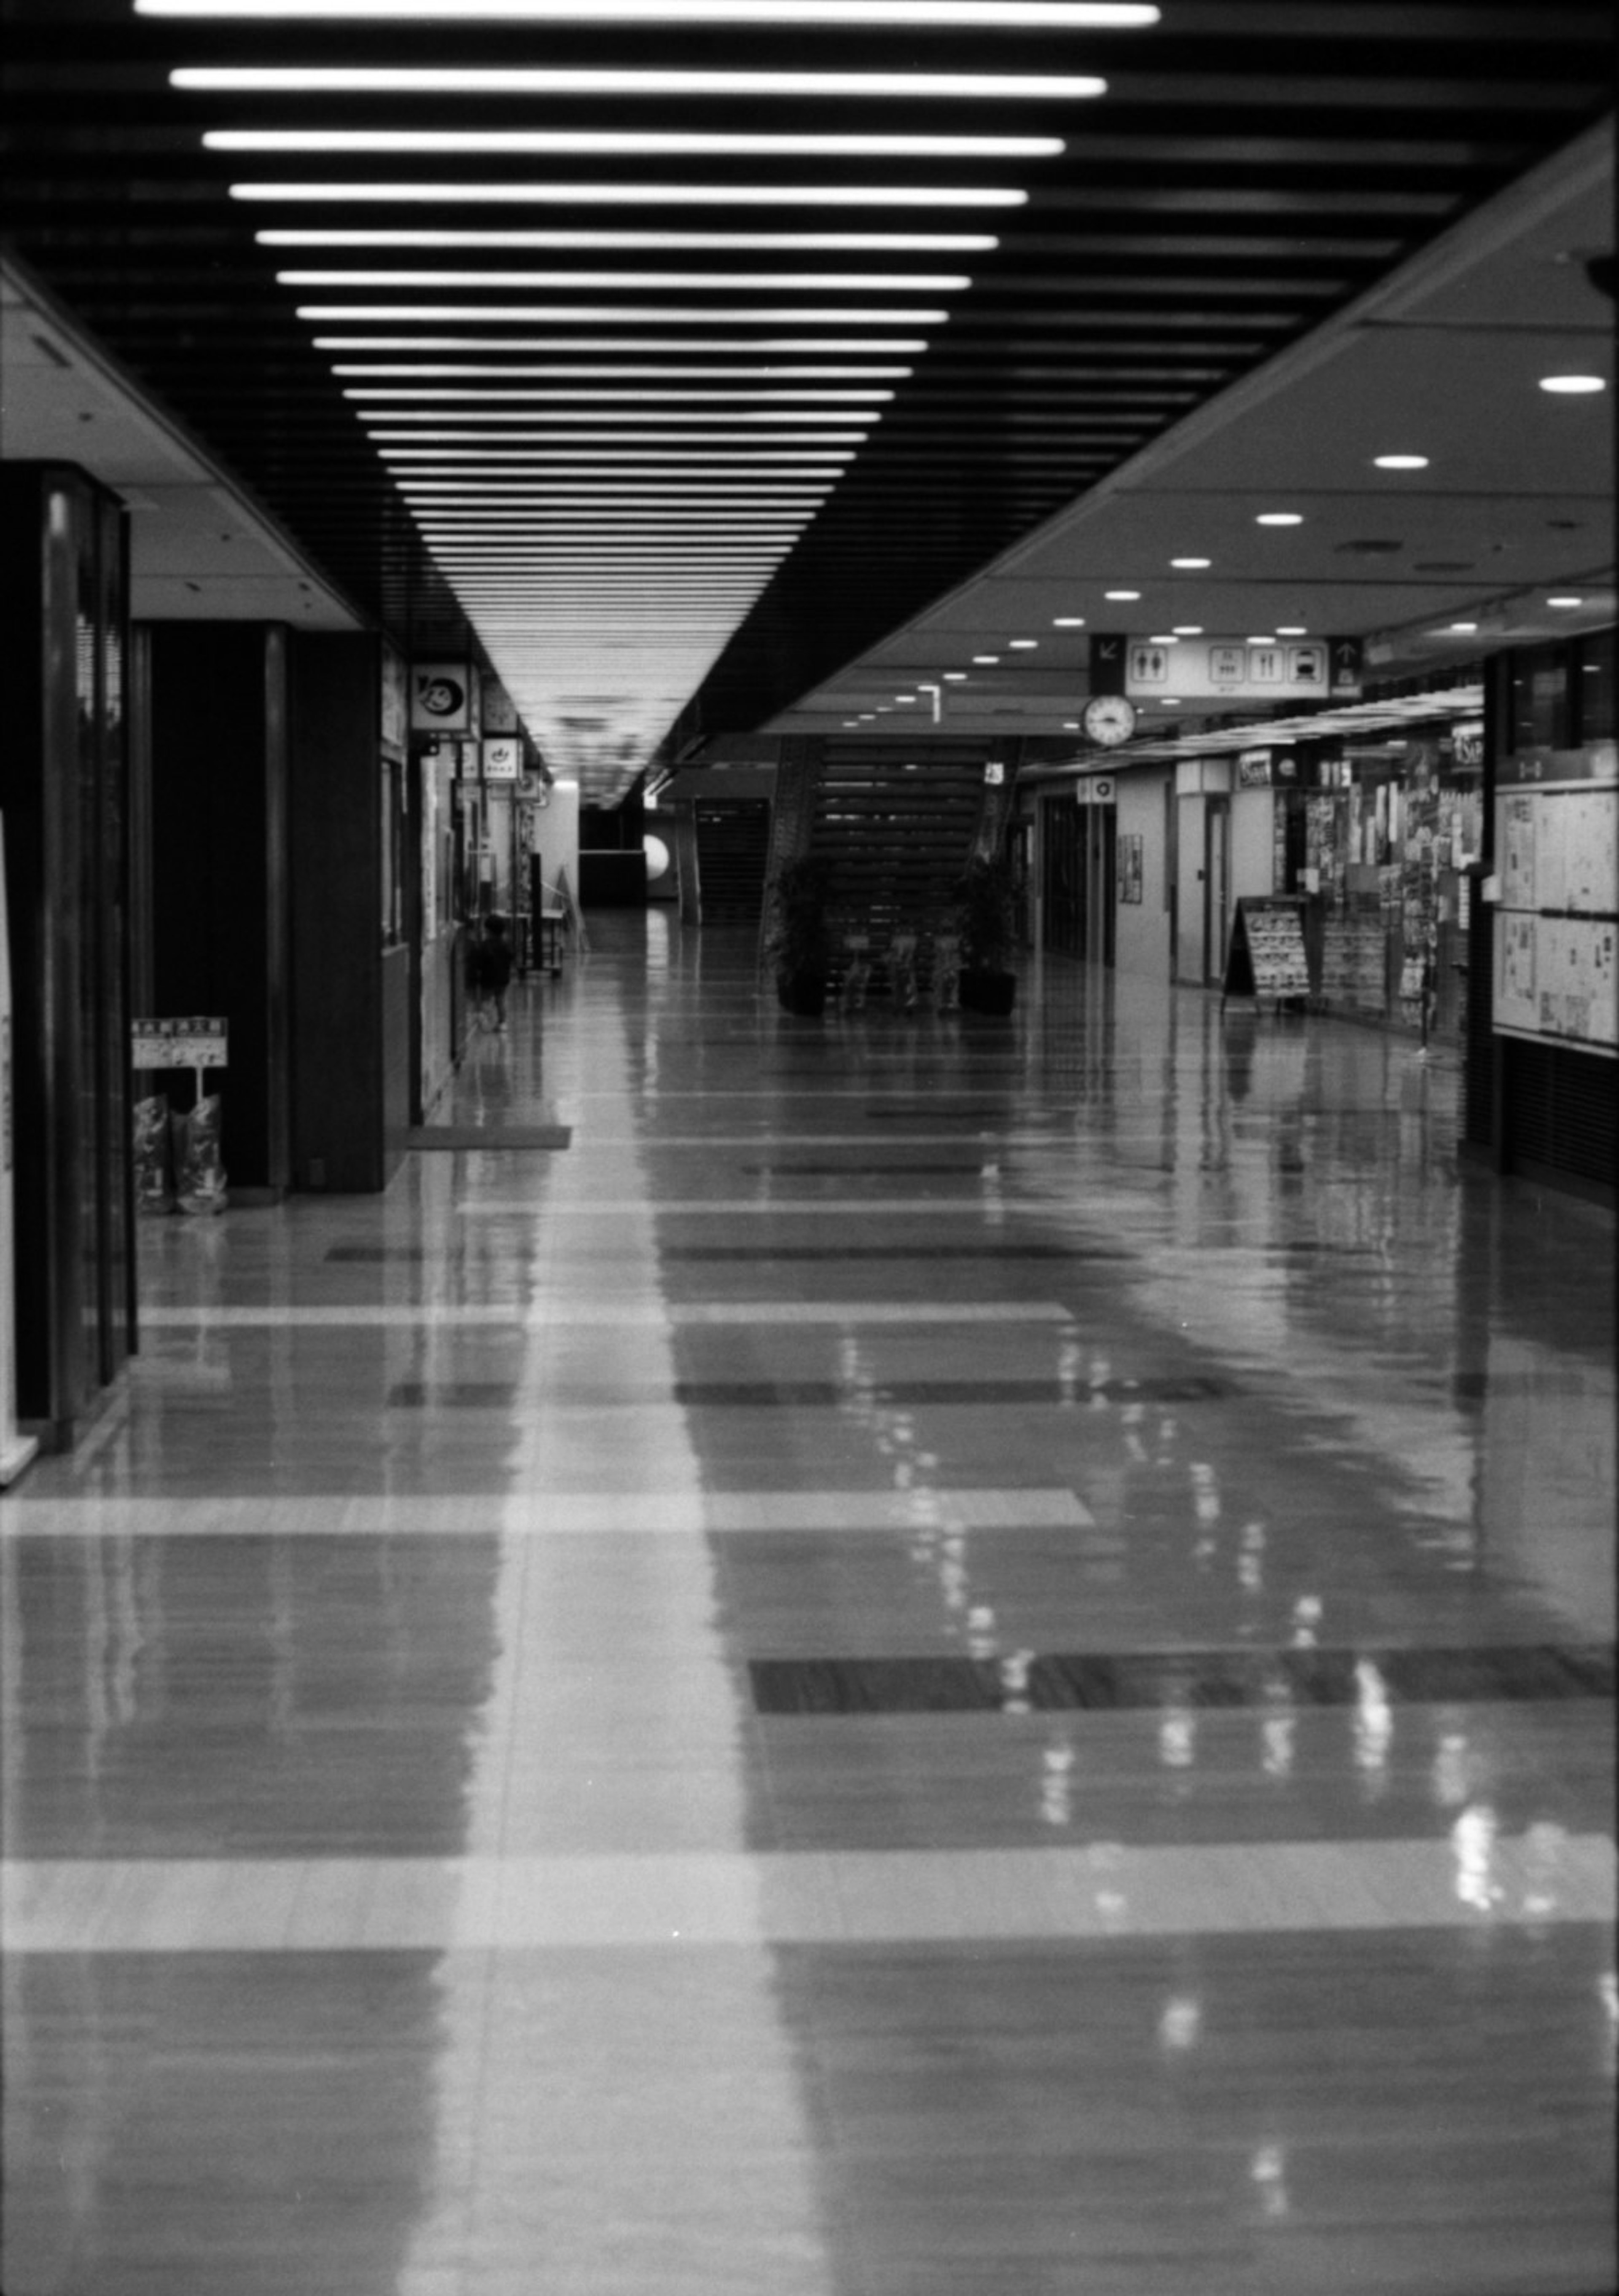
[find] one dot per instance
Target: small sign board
(1253, 769)
(441, 698)
(502, 761)
(198, 1043)
(1266, 957)
(499, 710)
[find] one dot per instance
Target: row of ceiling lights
(1562, 385)
(598, 499)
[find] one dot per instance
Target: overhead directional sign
(1241, 669)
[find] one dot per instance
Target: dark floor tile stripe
(467, 1394)
(491, 1136)
(1180, 1678)
(998, 1394)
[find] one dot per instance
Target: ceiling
(1510, 505)
(653, 569)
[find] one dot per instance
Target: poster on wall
(441, 698)
(1130, 851)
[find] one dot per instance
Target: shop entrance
(1080, 879)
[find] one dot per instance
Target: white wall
(1143, 938)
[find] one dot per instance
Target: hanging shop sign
(499, 710)
(441, 698)
(1242, 670)
(1253, 769)
(502, 761)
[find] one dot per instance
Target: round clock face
(1109, 719)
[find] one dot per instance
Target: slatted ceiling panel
(1253, 164)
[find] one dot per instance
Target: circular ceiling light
(1573, 386)
(1400, 462)
(1279, 518)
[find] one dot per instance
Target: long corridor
(944, 1658)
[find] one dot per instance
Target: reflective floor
(944, 1658)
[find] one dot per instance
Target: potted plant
(983, 912)
(800, 946)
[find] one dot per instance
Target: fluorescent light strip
(734, 346)
(597, 314)
(540, 443)
(635, 195)
(655, 243)
(639, 143)
(828, 429)
(885, 282)
(395, 79)
(453, 400)
(604, 372)
(928, 15)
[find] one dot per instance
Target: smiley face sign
(440, 697)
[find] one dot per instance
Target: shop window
(1593, 680)
(1540, 698)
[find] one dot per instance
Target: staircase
(733, 846)
(900, 834)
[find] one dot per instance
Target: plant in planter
(800, 946)
(984, 917)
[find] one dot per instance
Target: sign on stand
(15, 1450)
(1266, 957)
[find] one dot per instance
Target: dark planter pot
(991, 993)
(803, 993)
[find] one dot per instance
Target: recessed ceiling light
(1573, 386)
(1164, 638)
(1464, 629)
(1291, 630)
(1191, 565)
(1188, 630)
(1400, 462)
(955, 678)
(607, 193)
(394, 79)
(1279, 518)
(1023, 645)
(905, 700)
(1121, 595)
(1566, 601)
(1070, 724)
(571, 142)
(988, 660)
(1068, 622)
(1269, 639)
(734, 346)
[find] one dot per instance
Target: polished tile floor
(944, 1659)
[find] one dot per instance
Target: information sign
(1266, 957)
(441, 698)
(502, 761)
(1235, 669)
(199, 1042)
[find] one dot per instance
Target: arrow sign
(1108, 652)
(1347, 656)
